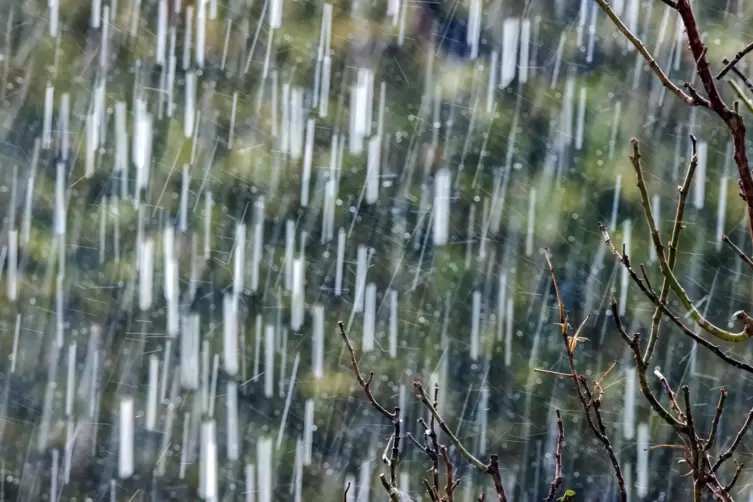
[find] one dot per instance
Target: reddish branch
(730, 116)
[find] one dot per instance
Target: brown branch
(692, 436)
(715, 421)
(430, 490)
(735, 443)
(394, 418)
(729, 65)
(671, 396)
(731, 117)
(748, 261)
(558, 479)
(491, 468)
(365, 384)
(738, 469)
(434, 442)
(450, 485)
(582, 390)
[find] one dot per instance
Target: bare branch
(345, 494)
(491, 468)
(666, 270)
(585, 396)
(670, 315)
(738, 251)
(365, 384)
(715, 421)
(729, 65)
(638, 44)
(558, 479)
(735, 443)
(674, 242)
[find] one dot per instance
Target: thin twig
(638, 44)
(738, 469)
(670, 315)
(666, 270)
(715, 421)
(671, 396)
(391, 485)
(740, 75)
(731, 64)
(641, 368)
(491, 468)
(549, 372)
(748, 261)
(430, 490)
(395, 449)
(558, 479)
(365, 384)
(741, 95)
(450, 485)
(582, 390)
(674, 242)
(735, 443)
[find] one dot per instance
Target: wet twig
(745, 258)
(666, 270)
(730, 64)
(394, 417)
(491, 468)
(558, 478)
(714, 102)
(345, 493)
(591, 406)
(668, 313)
